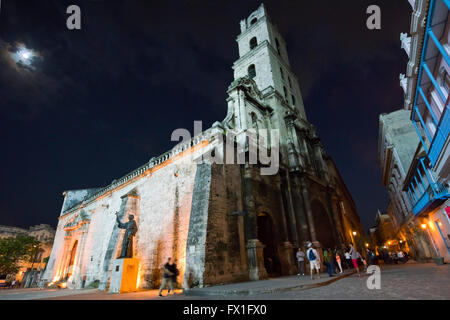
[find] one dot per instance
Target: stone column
(255, 256)
(291, 211)
(332, 214)
(256, 269)
(305, 195)
(341, 231)
(286, 252)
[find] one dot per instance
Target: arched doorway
(72, 259)
(322, 225)
(267, 236)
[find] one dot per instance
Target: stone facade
(222, 222)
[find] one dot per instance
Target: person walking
(338, 260)
(314, 260)
(167, 277)
(174, 276)
(354, 256)
(301, 261)
(348, 260)
(327, 257)
(400, 256)
(362, 261)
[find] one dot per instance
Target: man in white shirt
(314, 260)
(348, 260)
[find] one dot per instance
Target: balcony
(430, 114)
(424, 193)
(439, 139)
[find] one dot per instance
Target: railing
(425, 192)
(439, 139)
(434, 142)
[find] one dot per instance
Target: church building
(222, 222)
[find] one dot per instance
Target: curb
(200, 292)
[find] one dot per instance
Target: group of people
(333, 260)
(12, 284)
(394, 257)
(169, 277)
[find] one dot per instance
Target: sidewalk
(281, 284)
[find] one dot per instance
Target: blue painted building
(427, 86)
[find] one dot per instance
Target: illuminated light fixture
(354, 233)
(423, 226)
(401, 241)
(389, 243)
(367, 244)
(385, 247)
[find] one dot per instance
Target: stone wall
(161, 203)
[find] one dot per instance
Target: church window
(285, 92)
(253, 21)
(293, 99)
(282, 74)
(253, 43)
(278, 46)
(251, 71)
(290, 84)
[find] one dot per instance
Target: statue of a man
(130, 231)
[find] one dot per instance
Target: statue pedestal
(124, 275)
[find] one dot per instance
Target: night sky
(97, 103)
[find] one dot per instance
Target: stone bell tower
(265, 93)
(263, 57)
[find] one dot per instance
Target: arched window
(278, 46)
(285, 92)
(293, 100)
(253, 21)
(282, 74)
(290, 84)
(253, 43)
(251, 71)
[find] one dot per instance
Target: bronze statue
(130, 231)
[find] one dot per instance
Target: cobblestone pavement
(410, 281)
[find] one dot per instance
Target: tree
(14, 250)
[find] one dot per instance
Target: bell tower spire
(263, 57)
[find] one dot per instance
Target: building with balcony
(426, 86)
(397, 144)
